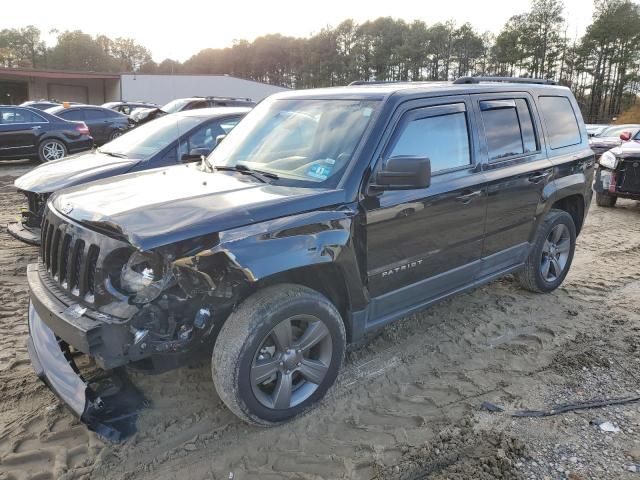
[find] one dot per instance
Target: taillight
(82, 128)
(612, 185)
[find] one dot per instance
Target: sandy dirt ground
(408, 404)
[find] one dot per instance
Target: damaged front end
(97, 295)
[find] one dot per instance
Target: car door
(422, 244)
(19, 131)
(516, 170)
(99, 124)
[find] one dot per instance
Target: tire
(532, 276)
(245, 341)
(605, 200)
(51, 149)
(115, 134)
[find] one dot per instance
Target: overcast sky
(178, 29)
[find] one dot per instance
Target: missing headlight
(145, 276)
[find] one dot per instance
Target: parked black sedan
(105, 124)
(176, 138)
(31, 133)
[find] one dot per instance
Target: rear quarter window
(561, 122)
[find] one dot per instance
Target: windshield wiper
(113, 154)
(244, 169)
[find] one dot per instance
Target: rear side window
(444, 139)
(562, 126)
(72, 114)
(94, 114)
(508, 128)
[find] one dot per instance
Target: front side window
(444, 139)
(303, 142)
(562, 125)
(18, 115)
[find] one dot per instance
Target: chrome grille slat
(55, 251)
(78, 259)
(64, 260)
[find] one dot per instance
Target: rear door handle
(468, 195)
(36, 127)
(538, 177)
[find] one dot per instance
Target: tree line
(602, 67)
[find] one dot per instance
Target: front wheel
(605, 200)
(51, 149)
(550, 258)
(278, 354)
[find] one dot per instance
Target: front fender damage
(266, 248)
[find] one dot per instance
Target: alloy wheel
(291, 362)
(555, 253)
(53, 151)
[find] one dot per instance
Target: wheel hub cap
(292, 359)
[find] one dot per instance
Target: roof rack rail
(375, 82)
(538, 81)
(216, 97)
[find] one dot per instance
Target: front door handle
(538, 177)
(36, 127)
(468, 195)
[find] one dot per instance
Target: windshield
(148, 139)
(615, 131)
(174, 105)
(301, 141)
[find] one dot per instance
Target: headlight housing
(145, 276)
(608, 160)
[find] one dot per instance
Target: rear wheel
(51, 149)
(278, 354)
(551, 255)
(605, 200)
(115, 134)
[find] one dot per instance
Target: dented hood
(165, 205)
(70, 171)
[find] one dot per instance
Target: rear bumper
(108, 405)
(80, 145)
(20, 231)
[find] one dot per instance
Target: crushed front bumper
(108, 402)
(26, 234)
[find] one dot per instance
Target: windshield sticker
(321, 172)
(366, 112)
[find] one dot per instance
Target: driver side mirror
(625, 136)
(404, 173)
(195, 154)
(219, 138)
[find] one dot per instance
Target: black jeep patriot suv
(323, 215)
